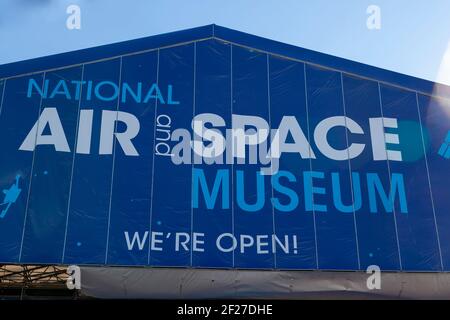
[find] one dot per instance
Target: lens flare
(437, 108)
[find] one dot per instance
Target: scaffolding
(34, 282)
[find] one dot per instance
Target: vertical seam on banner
(3, 95)
(390, 180)
(192, 164)
(73, 165)
(153, 166)
(350, 173)
(271, 162)
(310, 165)
(113, 161)
(429, 182)
(32, 168)
(232, 150)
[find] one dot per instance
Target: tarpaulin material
(211, 148)
(162, 283)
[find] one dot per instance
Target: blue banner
(210, 154)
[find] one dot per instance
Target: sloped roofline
(225, 34)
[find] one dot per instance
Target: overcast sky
(413, 38)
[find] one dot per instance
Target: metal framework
(33, 276)
(34, 281)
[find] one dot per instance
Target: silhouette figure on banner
(11, 196)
